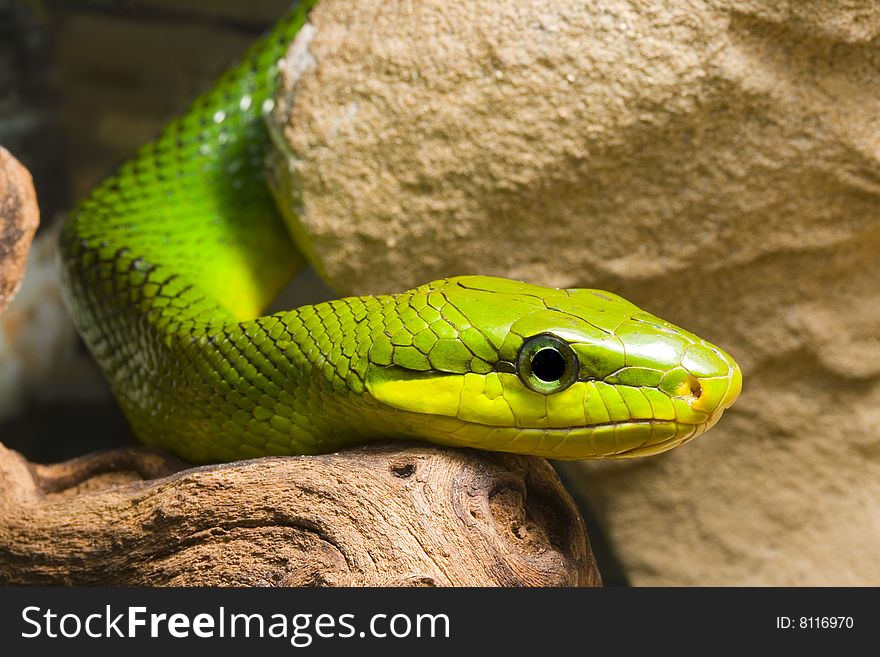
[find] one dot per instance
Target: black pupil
(548, 365)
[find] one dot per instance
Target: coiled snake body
(168, 265)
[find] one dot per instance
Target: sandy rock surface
(716, 162)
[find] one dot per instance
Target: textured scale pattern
(168, 265)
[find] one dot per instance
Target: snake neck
(192, 215)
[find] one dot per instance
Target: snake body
(168, 265)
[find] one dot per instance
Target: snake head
(570, 374)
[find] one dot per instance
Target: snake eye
(546, 364)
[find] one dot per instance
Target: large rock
(715, 162)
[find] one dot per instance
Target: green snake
(169, 264)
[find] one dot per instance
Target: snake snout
(715, 381)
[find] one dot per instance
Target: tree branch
(394, 514)
(19, 218)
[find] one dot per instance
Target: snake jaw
(454, 410)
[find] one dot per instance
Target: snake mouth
(692, 431)
(610, 440)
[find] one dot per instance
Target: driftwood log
(388, 514)
(19, 217)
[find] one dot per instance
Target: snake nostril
(690, 389)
